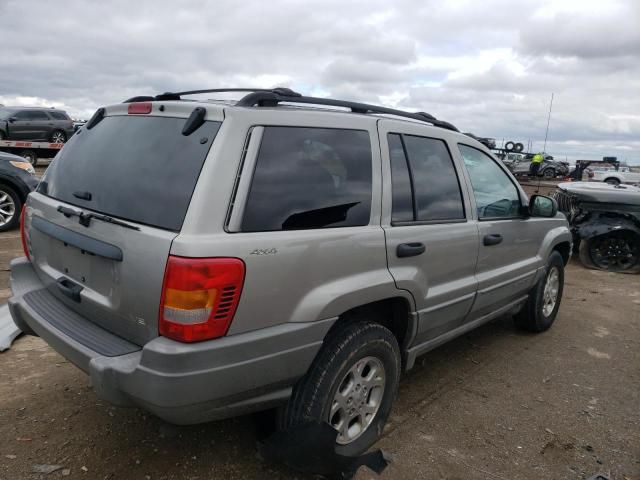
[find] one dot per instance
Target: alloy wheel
(357, 399)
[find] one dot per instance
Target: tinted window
(401, 201)
(310, 178)
(496, 196)
(59, 115)
(138, 168)
(31, 115)
(38, 115)
(437, 190)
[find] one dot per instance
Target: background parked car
(614, 176)
(17, 180)
(28, 123)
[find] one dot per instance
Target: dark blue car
(17, 180)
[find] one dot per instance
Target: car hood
(601, 192)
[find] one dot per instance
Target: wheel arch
(603, 224)
(396, 313)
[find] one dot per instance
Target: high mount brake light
(199, 297)
(139, 108)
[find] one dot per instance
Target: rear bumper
(181, 383)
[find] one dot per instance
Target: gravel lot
(494, 404)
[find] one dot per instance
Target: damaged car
(605, 223)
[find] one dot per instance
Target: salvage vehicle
(605, 224)
(284, 251)
(17, 180)
(520, 164)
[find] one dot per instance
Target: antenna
(546, 134)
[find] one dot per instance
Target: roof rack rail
(178, 95)
(271, 98)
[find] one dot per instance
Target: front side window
(308, 178)
(496, 196)
(424, 181)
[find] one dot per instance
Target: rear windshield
(140, 169)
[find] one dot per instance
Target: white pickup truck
(613, 176)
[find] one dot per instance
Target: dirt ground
(493, 404)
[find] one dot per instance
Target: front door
(432, 246)
(509, 241)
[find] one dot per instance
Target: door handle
(410, 249)
(69, 289)
(492, 239)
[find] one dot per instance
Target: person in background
(536, 161)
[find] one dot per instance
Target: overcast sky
(487, 66)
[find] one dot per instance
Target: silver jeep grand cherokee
(201, 259)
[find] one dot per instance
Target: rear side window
(59, 115)
(138, 168)
(424, 167)
(310, 178)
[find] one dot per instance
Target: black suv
(28, 123)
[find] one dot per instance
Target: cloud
(488, 67)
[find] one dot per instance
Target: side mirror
(12, 119)
(541, 206)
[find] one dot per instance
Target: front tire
(618, 251)
(612, 181)
(549, 173)
(540, 310)
(10, 208)
(351, 385)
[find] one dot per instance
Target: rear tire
(509, 146)
(331, 381)
(549, 173)
(10, 208)
(539, 312)
(518, 147)
(58, 136)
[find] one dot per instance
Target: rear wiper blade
(85, 218)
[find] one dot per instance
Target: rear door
(138, 170)
(40, 125)
(432, 244)
(509, 242)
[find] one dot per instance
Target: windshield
(137, 168)
(5, 113)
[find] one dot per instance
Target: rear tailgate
(140, 172)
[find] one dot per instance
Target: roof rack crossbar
(273, 98)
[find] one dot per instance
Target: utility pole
(546, 134)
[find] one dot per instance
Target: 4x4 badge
(264, 251)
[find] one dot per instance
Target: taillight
(23, 234)
(199, 297)
(139, 108)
